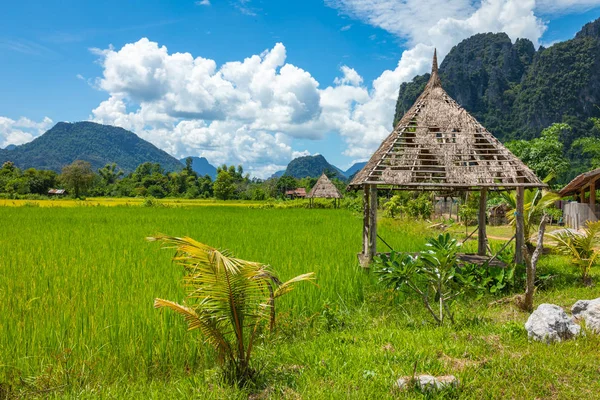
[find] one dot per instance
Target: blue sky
(344, 59)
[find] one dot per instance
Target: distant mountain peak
(312, 166)
(202, 167)
(591, 29)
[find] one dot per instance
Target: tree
(285, 183)
(544, 155)
(189, 170)
(224, 186)
(109, 174)
(228, 299)
(77, 177)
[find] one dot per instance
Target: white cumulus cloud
(22, 130)
(251, 111)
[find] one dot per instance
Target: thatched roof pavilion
(324, 189)
(438, 145)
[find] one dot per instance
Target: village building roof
(581, 181)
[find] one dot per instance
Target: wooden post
(582, 195)
(482, 235)
(372, 222)
(593, 195)
(520, 231)
(366, 225)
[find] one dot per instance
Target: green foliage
(544, 155)
(77, 177)
(535, 203)
(286, 182)
(224, 186)
(228, 300)
(469, 211)
(394, 206)
(431, 275)
(581, 247)
(590, 146)
(14, 182)
(421, 207)
(493, 280)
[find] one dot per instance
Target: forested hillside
(98, 144)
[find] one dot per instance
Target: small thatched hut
(324, 189)
(439, 146)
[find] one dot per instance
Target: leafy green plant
(535, 202)
(430, 275)
(150, 201)
(394, 206)
(581, 247)
(230, 300)
(421, 207)
(493, 280)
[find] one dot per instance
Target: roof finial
(434, 81)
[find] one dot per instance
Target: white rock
(428, 382)
(589, 311)
(549, 323)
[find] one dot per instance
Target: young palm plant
(581, 247)
(534, 204)
(229, 300)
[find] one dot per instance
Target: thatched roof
(580, 182)
(324, 189)
(438, 145)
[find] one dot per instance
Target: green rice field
(76, 318)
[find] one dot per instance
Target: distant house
(577, 213)
(299, 193)
(57, 192)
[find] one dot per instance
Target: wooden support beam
(366, 214)
(520, 225)
(372, 222)
(593, 195)
(482, 235)
(582, 195)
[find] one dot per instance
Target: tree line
(148, 179)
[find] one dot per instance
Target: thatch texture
(438, 145)
(581, 181)
(324, 189)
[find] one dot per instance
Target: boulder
(550, 323)
(428, 382)
(589, 311)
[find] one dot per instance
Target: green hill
(95, 143)
(312, 166)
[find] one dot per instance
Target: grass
(76, 316)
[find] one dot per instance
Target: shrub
(581, 247)
(431, 275)
(420, 207)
